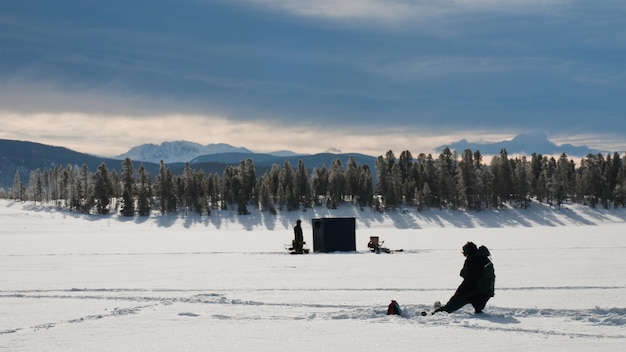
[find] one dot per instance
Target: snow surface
(72, 282)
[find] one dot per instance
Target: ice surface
(72, 282)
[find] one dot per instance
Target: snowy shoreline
(538, 214)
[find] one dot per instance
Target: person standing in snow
(478, 281)
(298, 241)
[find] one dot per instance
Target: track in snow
(224, 305)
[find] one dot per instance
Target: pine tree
(549, 172)
(393, 197)
(35, 189)
(467, 176)
(69, 186)
(431, 178)
(128, 188)
(77, 190)
(86, 192)
(383, 177)
(17, 191)
(248, 179)
(242, 206)
(481, 189)
(336, 182)
(214, 191)
(446, 171)
(47, 185)
(265, 196)
(232, 184)
(427, 194)
(320, 184)
(503, 181)
(535, 170)
(388, 180)
(405, 163)
(564, 179)
(144, 192)
(589, 179)
(352, 178)
(287, 186)
(103, 189)
(365, 190)
(620, 187)
(521, 180)
(201, 199)
(461, 190)
(541, 188)
(171, 201)
(415, 182)
(615, 182)
(188, 189)
(165, 190)
(302, 185)
(274, 183)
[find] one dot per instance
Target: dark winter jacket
(478, 273)
(297, 231)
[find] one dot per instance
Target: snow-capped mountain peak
(177, 151)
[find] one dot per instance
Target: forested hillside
(450, 181)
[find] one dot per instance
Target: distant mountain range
(24, 157)
(524, 144)
(183, 151)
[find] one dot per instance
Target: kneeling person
(478, 281)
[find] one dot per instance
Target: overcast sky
(354, 75)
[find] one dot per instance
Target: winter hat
(469, 248)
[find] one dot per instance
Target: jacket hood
(483, 251)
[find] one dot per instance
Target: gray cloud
(504, 66)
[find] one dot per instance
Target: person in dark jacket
(478, 281)
(298, 241)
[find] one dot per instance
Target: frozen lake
(72, 282)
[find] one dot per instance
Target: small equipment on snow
(436, 308)
(291, 248)
(377, 246)
(394, 308)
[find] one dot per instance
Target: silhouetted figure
(298, 240)
(478, 281)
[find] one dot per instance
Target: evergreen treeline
(449, 181)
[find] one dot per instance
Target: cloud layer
(336, 74)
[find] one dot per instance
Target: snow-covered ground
(71, 282)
